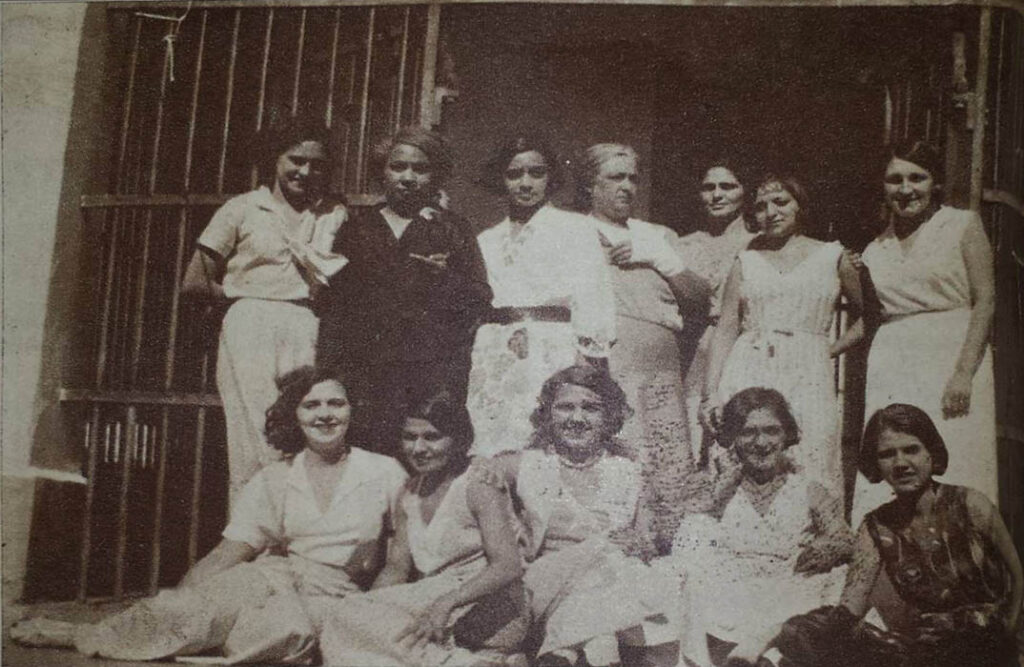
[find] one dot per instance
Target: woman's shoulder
(377, 466)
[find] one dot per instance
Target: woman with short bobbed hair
(943, 549)
(553, 301)
(399, 319)
(932, 269)
(654, 293)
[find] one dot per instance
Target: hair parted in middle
(282, 425)
(588, 166)
(448, 416)
(613, 402)
(742, 403)
(492, 177)
(796, 190)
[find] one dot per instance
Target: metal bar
(131, 436)
(365, 101)
(298, 62)
(162, 441)
(263, 69)
(108, 293)
(998, 104)
(427, 107)
(401, 69)
(191, 200)
(197, 480)
(90, 499)
(140, 397)
(980, 97)
(329, 111)
(128, 103)
(229, 98)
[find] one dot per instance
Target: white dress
(739, 579)
(555, 259)
(927, 299)
(786, 320)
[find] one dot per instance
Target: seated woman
(324, 507)
(943, 550)
(579, 500)
(454, 530)
(762, 538)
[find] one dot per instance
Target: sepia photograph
(477, 333)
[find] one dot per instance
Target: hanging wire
(171, 36)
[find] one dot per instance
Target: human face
(426, 448)
(407, 178)
(908, 188)
(301, 171)
(722, 194)
(526, 179)
(904, 461)
(323, 415)
(614, 189)
(578, 419)
(759, 444)
(776, 211)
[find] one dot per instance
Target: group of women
(623, 444)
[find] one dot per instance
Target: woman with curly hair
(316, 519)
(579, 500)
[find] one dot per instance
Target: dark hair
(284, 132)
(493, 173)
(588, 166)
(901, 418)
(431, 143)
(613, 401)
(742, 403)
(922, 153)
(796, 190)
(451, 418)
(282, 427)
(729, 163)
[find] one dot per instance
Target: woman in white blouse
(553, 300)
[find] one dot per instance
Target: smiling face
(905, 463)
(426, 448)
(323, 415)
(526, 179)
(722, 194)
(578, 420)
(760, 443)
(301, 172)
(908, 188)
(776, 210)
(407, 179)
(614, 189)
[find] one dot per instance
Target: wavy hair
(282, 427)
(613, 402)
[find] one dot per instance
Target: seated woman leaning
(455, 530)
(937, 563)
(761, 539)
(578, 498)
(324, 508)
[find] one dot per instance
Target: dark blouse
(385, 306)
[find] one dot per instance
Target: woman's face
(323, 415)
(905, 463)
(407, 178)
(760, 443)
(426, 448)
(614, 189)
(908, 188)
(526, 179)
(722, 194)
(302, 170)
(578, 419)
(776, 211)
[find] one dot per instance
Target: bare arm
(986, 518)
(977, 254)
(833, 541)
(204, 274)
(726, 333)
(862, 574)
(226, 554)
(850, 286)
(398, 565)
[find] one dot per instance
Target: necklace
(580, 465)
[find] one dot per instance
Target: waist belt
(529, 313)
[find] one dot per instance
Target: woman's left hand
(430, 625)
(820, 555)
(956, 399)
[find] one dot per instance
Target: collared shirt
(251, 233)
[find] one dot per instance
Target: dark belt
(530, 313)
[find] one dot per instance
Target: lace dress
(786, 320)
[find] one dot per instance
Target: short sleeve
(253, 519)
(221, 234)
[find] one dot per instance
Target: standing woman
(553, 298)
(932, 269)
(651, 288)
(268, 251)
(399, 319)
(777, 313)
(710, 252)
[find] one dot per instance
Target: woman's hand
(956, 399)
(820, 555)
(430, 625)
(633, 543)
(708, 414)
